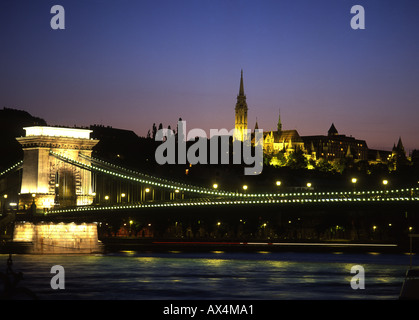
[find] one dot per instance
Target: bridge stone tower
(48, 181)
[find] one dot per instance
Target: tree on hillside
(296, 160)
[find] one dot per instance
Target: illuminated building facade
(47, 181)
(336, 146)
(57, 238)
(286, 141)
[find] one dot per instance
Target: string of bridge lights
(346, 195)
(168, 185)
(16, 165)
(175, 185)
(263, 198)
(128, 170)
(189, 188)
(225, 202)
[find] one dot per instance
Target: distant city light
(244, 187)
(215, 186)
(385, 182)
(354, 180)
(278, 183)
(308, 184)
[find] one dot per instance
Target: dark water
(213, 275)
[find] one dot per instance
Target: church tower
(279, 126)
(241, 113)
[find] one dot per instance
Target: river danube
(213, 275)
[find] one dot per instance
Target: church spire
(240, 113)
(279, 126)
(241, 90)
(332, 131)
(400, 145)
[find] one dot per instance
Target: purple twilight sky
(129, 64)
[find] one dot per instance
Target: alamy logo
(58, 280)
(57, 21)
(358, 280)
(358, 20)
(175, 146)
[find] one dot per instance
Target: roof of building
(284, 135)
(332, 131)
(339, 137)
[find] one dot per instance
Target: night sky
(129, 64)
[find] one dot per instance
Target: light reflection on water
(215, 275)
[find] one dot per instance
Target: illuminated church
(331, 146)
(287, 141)
(274, 141)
